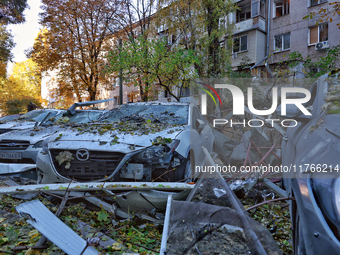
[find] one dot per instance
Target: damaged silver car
(311, 150)
(133, 142)
(19, 148)
(25, 121)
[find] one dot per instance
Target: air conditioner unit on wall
(321, 46)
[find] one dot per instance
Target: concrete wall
(298, 27)
(255, 50)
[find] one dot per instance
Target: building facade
(266, 31)
(271, 30)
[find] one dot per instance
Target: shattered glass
(79, 117)
(170, 114)
(36, 115)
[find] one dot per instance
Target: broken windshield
(36, 115)
(80, 117)
(166, 114)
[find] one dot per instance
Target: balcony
(252, 23)
(251, 15)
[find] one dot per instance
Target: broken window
(282, 42)
(318, 34)
(258, 8)
(240, 44)
(281, 7)
(170, 114)
(316, 2)
(243, 14)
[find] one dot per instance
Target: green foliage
(16, 106)
(153, 61)
(327, 63)
(6, 44)
(204, 27)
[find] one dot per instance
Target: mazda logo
(82, 154)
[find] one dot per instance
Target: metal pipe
(166, 226)
(121, 101)
(268, 27)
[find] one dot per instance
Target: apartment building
(249, 40)
(265, 31)
(290, 32)
(270, 30)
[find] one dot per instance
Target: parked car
(311, 150)
(19, 148)
(149, 141)
(25, 121)
(4, 119)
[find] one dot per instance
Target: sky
(24, 34)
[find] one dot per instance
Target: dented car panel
(140, 141)
(138, 200)
(22, 146)
(312, 150)
(27, 120)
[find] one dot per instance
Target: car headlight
(38, 145)
(157, 151)
(152, 152)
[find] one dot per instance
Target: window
(318, 34)
(240, 44)
(257, 8)
(316, 2)
(281, 7)
(243, 14)
(282, 42)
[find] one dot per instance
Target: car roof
(157, 103)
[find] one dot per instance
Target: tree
(74, 42)
(165, 67)
(325, 14)
(136, 23)
(11, 11)
(202, 26)
(6, 46)
(21, 87)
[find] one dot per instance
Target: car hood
(319, 144)
(17, 125)
(113, 140)
(33, 135)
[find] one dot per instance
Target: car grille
(99, 165)
(14, 145)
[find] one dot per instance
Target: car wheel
(299, 242)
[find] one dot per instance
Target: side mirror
(200, 124)
(293, 112)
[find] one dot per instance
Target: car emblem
(82, 154)
(12, 144)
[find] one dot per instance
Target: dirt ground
(140, 236)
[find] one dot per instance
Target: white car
(19, 148)
(26, 121)
(149, 141)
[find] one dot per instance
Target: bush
(18, 106)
